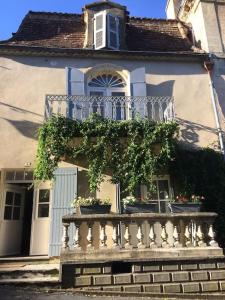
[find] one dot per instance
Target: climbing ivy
(130, 151)
(201, 172)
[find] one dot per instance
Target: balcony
(137, 236)
(141, 252)
(159, 109)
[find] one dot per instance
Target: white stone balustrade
(151, 234)
(112, 107)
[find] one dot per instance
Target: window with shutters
(113, 31)
(106, 31)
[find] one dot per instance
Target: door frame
(43, 186)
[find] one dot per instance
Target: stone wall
(167, 276)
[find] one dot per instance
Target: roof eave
(12, 50)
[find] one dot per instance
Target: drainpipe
(209, 67)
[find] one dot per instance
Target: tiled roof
(50, 30)
(68, 31)
(157, 35)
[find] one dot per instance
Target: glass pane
(163, 189)
(16, 213)
(43, 210)
(9, 198)
(8, 213)
(154, 196)
(17, 199)
(10, 175)
(19, 175)
(43, 196)
(28, 175)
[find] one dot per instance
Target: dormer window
(106, 31)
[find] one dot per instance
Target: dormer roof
(104, 3)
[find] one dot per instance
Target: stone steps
(31, 273)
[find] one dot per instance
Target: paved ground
(25, 293)
(16, 293)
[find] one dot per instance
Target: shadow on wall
(189, 132)
(27, 128)
(163, 89)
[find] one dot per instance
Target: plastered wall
(24, 82)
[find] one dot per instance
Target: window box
(184, 207)
(95, 209)
(141, 208)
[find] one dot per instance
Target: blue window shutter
(64, 191)
(138, 88)
(75, 86)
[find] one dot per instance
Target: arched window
(107, 90)
(107, 81)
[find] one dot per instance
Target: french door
(11, 223)
(109, 103)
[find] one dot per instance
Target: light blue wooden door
(64, 191)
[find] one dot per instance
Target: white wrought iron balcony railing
(159, 109)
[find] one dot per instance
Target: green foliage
(202, 172)
(126, 150)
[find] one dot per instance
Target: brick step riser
(147, 278)
(167, 288)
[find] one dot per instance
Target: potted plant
(184, 203)
(132, 205)
(92, 205)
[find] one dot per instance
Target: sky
(13, 11)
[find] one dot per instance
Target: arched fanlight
(107, 81)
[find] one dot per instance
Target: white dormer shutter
(100, 30)
(113, 27)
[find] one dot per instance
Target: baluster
(187, 235)
(211, 235)
(89, 236)
(145, 108)
(115, 236)
(103, 236)
(59, 108)
(77, 237)
(122, 109)
(89, 108)
(140, 237)
(152, 243)
(65, 237)
(176, 237)
(164, 237)
(153, 110)
(200, 236)
(114, 110)
(127, 237)
(160, 111)
(99, 107)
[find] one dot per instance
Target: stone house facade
(101, 52)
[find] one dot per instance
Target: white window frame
(40, 203)
(144, 190)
